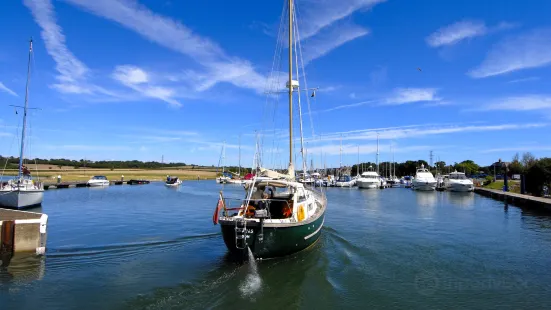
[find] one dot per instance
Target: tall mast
(358, 169)
(290, 82)
(223, 158)
(239, 171)
(340, 154)
(377, 153)
(25, 111)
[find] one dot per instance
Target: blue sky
(120, 79)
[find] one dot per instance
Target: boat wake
(253, 282)
(64, 257)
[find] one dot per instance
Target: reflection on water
(370, 198)
(426, 203)
(23, 269)
(152, 247)
(462, 200)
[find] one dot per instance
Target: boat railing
(243, 206)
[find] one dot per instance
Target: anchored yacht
(458, 182)
(424, 180)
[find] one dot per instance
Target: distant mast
(20, 173)
(377, 153)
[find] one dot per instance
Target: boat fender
(301, 214)
(219, 206)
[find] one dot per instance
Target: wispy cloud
(88, 147)
(72, 72)
(416, 131)
(171, 34)
(321, 14)
(529, 50)
(520, 103)
(411, 95)
(456, 32)
(324, 43)
(346, 106)
(7, 90)
(525, 148)
(138, 80)
(463, 30)
(528, 79)
(352, 149)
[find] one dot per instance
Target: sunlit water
(148, 246)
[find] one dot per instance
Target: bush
(538, 175)
(489, 179)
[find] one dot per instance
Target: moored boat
(22, 191)
(424, 180)
(458, 182)
(369, 179)
(97, 181)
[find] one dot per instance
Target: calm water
(134, 247)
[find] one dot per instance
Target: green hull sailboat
(278, 216)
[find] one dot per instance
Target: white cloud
(352, 95)
(7, 90)
(415, 131)
(456, 32)
(89, 147)
(322, 13)
(325, 42)
(529, 50)
(410, 95)
(130, 75)
(137, 79)
(526, 148)
(528, 79)
(521, 103)
(353, 149)
(71, 70)
(463, 30)
(345, 106)
(173, 35)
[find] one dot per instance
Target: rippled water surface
(134, 247)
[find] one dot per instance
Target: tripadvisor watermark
(429, 283)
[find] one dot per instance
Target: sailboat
(22, 191)
(223, 179)
(278, 216)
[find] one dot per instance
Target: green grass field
(514, 186)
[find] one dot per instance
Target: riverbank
(75, 175)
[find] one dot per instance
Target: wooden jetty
(514, 198)
(21, 231)
(53, 185)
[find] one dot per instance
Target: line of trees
(13, 162)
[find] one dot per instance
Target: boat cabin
(98, 177)
(457, 176)
(275, 200)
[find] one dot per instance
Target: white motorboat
(424, 180)
(458, 182)
(345, 181)
(369, 179)
(98, 180)
(22, 191)
(172, 181)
